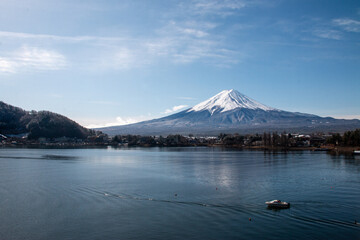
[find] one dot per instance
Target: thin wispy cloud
(309, 29)
(194, 32)
(328, 34)
(180, 39)
(125, 58)
(188, 42)
(57, 38)
(348, 24)
(176, 43)
(7, 66)
(118, 121)
(32, 59)
(175, 108)
(335, 29)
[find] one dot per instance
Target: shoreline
(329, 149)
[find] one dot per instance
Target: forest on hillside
(14, 121)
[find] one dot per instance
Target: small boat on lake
(277, 204)
(357, 152)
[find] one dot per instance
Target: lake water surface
(176, 193)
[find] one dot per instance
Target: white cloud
(125, 59)
(188, 42)
(49, 37)
(346, 117)
(130, 120)
(40, 59)
(118, 121)
(327, 33)
(119, 58)
(7, 66)
(161, 47)
(177, 42)
(175, 108)
(347, 24)
(194, 32)
(32, 59)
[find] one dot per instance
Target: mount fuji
(230, 111)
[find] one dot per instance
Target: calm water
(176, 193)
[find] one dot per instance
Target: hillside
(14, 120)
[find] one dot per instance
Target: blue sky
(114, 62)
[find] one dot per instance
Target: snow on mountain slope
(231, 111)
(229, 100)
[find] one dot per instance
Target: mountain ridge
(230, 111)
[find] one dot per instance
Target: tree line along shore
(347, 142)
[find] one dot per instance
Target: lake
(176, 193)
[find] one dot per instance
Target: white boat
(277, 204)
(357, 152)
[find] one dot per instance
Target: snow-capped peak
(228, 100)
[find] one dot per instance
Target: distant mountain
(14, 121)
(231, 111)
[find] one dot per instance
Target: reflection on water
(44, 157)
(346, 159)
(176, 193)
(58, 157)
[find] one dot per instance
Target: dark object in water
(277, 204)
